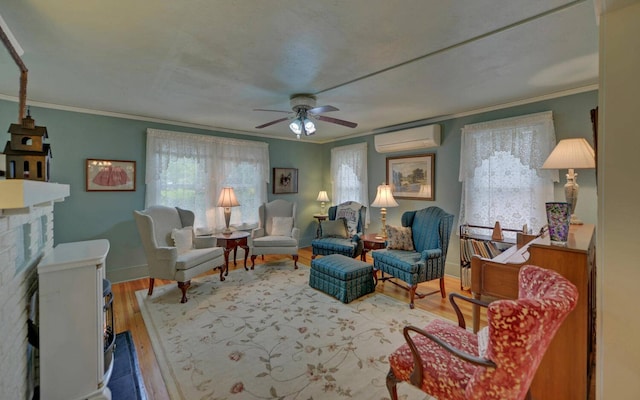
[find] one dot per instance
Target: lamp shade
(384, 197)
(227, 198)
(323, 196)
(571, 153)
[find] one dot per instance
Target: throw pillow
(399, 238)
(281, 226)
(183, 239)
(334, 228)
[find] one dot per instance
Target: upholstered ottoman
(342, 277)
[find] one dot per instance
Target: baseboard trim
(127, 274)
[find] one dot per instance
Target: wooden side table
(371, 241)
(231, 242)
(320, 218)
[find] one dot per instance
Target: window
(500, 171)
(189, 171)
(349, 174)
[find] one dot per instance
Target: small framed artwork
(412, 177)
(110, 175)
(285, 180)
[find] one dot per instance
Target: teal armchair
(430, 231)
(349, 244)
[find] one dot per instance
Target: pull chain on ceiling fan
(304, 110)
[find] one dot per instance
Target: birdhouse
(27, 156)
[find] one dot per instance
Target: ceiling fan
(304, 110)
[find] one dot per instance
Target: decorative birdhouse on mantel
(27, 156)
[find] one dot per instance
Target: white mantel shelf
(21, 193)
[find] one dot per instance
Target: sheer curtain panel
(349, 175)
(500, 171)
(188, 171)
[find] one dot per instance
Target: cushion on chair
(275, 241)
(281, 226)
(437, 362)
(197, 256)
(334, 229)
(399, 238)
(183, 239)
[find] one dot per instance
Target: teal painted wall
(74, 137)
(571, 119)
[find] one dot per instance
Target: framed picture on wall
(110, 175)
(285, 180)
(412, 177)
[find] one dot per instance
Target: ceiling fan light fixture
(296, 127)
(309, 126)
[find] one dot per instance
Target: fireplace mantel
(21, 193)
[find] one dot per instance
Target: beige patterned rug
(265, 334)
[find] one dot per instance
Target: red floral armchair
(448, 362)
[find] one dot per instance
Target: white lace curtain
(349, 175)
(188, 171)
(500, 171)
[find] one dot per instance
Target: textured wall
(24, 238)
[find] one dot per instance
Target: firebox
(109, 327)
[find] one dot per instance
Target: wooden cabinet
(566, 367)
(72, 322)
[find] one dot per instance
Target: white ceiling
(381, 62)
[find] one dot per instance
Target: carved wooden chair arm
(456, 308)
(416, 376)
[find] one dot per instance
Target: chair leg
(295, 261)
(184, 286)
(253, 260)
(151, 283)
(412, 295)
(442, 291)
(392, 381)
(313, 257)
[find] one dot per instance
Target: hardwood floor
(128, 316)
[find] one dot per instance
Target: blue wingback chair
(350, 246)
(430, 230)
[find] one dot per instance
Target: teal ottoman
(342, 277)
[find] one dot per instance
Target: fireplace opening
(109, 327)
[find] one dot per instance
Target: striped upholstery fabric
(350, 247)
(431, 228)
(341, 277)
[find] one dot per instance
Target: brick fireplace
(26, 234)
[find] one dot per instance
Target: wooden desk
(566, 367)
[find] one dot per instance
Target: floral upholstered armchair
(341, 232)
(417, 251)
(499, 363)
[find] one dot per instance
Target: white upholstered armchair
(171, 250)
(277, 232)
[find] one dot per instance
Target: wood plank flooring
(128, 316)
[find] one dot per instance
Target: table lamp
(322, 197)
(384, 198)
(227, 200)
(571, 154)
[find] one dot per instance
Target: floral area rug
(265, 334)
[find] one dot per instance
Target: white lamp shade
(571, 153)
(227, 198)
(323, 196)
(384, 197)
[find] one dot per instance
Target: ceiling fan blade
(322, 109)
(336, 121)
(272, 123)
(264, 109)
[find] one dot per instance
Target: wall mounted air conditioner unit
(421, 137)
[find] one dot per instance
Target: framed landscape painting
(110, 175)
(285, 180)
(412, 177)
